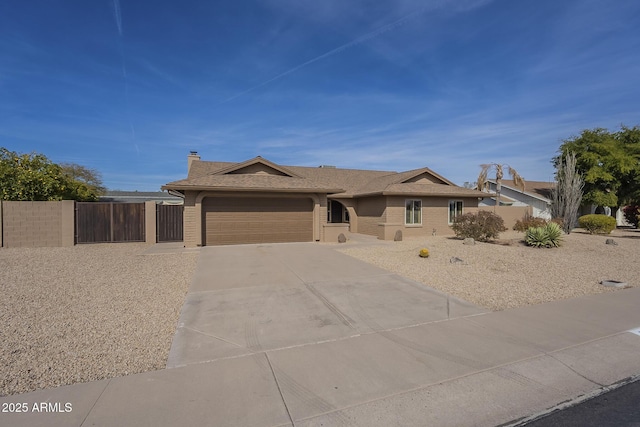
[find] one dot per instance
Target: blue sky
(130, 87)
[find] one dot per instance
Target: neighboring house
(160, 197)
(621, 221)
(258, 201)
(536, 194)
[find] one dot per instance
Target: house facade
(258, 201)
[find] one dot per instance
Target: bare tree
(566, 196)
(483, 184)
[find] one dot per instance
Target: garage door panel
(230, 220)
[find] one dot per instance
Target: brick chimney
(193, 155)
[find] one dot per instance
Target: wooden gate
(106, 222)
(169, 223)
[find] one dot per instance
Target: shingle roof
(430, 190)
(238, 182)
(336, 181)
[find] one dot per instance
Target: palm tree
(483, 184)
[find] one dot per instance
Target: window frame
(455, 211)
(412, 203)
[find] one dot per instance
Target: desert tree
(85, 183)
(483, 183)
(566, 196)
(609, 163)
(34, 177)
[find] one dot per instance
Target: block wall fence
(50, 224)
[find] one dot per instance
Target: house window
(413, 212)
(455, 209)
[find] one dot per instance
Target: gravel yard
(87, 312)
(509, 274)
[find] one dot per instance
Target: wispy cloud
(117, 14)
(391, 26)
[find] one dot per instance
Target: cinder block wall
(37, 224)
(190, 218)
(509, 214)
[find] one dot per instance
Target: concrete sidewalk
(302, 335)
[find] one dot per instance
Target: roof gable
(257, 166)
(425, 176)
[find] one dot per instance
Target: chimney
(193, 155)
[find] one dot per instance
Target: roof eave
(428, 194)
(526, 193)
(251, 189)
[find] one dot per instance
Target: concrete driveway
(251, 298)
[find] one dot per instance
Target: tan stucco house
(258, 201)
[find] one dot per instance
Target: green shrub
(632, 214)
(527, 222)
(548, 236)
(597, 224)
(482, 226)
(424, 253)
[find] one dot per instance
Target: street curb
(571, 402)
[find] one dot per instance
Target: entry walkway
(299, 334)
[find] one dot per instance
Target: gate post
(150, 225)
(67, 222)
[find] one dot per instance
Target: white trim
(449, 220)
(413, 210)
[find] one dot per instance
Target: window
(413, 212)
(455, 209)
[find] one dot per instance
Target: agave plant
(548, 236)
(536, 237)
(554, 234)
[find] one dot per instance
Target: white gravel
(87, 312)
(507, 273)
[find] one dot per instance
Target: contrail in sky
(373, 34)
(117, 13)
(462, 6)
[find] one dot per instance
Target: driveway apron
(252, 298)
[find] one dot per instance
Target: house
(258, 201)
(536, 194)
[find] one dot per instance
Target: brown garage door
(237, 220)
